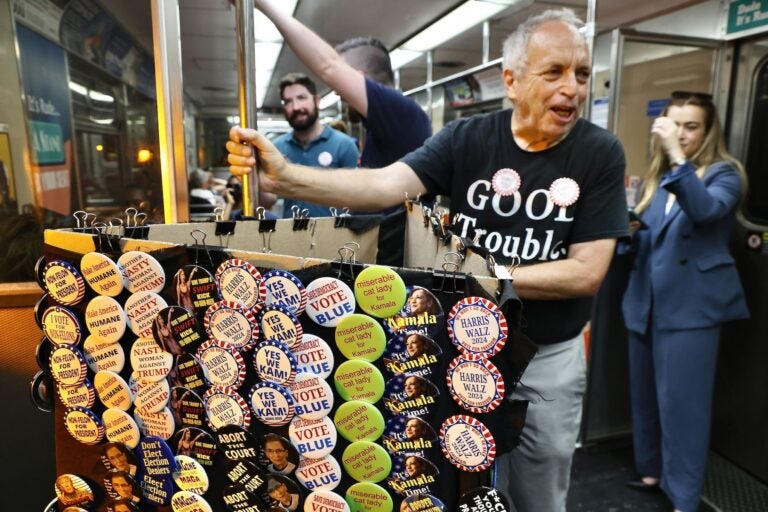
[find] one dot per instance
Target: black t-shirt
(461, 160)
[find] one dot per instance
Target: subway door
(740, 413)
(635, 74)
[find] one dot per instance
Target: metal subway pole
(170, 109)
(246, 87)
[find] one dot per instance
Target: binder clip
(198, 243)
(134, 224)
(300, 218)
(84, 222)
(341, 217)
(266, 228)
(107, 237)
(223, 227)
(346, 264)
(448, 279)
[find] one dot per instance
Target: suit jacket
(683, 276)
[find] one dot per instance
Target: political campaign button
(427, 503)
(467, 443)
(366, 461)
(247, 475)
(121, 485)
(359, 421)
(422, 313)
(477, 326)
(62, 326)
(105, 319)
(40, 306)
(39, 271)
(103, 355)
(120, 505)
(177, 331)
(313, 438)
(274, 362)
(312, 396)
(278, 323)
(313, 356)
(475, 383)
(190, 475)
(359, 380)
(238, 499)
(190, 373)
(323, 499)
(285, 289)
(194, 288)
(196, 443)
(278, 455)
(231, 322)
(239, 281)
(379, 291)
(224, 364)
(410, 395)
(112, 390)
(141, 308)
(41, 391)
(408, 434)
(187, 407)
(368, 497)
(117, 456)
(43, 354)
(226, 407)
(102, 274)
(324, 159)
(149, 361)
(506, 182)
(156, 424)
(564, 192)
(152, 396)
(156, 491)
(83, 425)
(68, 367)
(412, 353)
(284, 493)
(271, 403)
(141, 272)
(412, 474)
(63, 282)
(236, 443)
(156, 458)
(187, 501)
(360, 337)
(83, 395)
(483, 499)
(121, 428)
(328, 301)
(322, 473)
(73, 491)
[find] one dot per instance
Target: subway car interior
(138, 120)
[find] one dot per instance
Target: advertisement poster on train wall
(747, 17)
(49, 120)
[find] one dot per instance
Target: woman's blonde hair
(712, 149)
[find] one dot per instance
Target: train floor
(598, 483)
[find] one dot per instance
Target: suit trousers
(672, 375)
(535, 476)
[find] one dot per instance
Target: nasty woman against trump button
(149, 361)
(365, 461)
(156, 424)
(475, 383)
(141, 272)
(328, 301)
(274, 362)
(467, 443)
(313, 438)
(359, 380)
(152, 396)
(360, 337)
(239, 281)
(141, 308)
(379, 291)
(477, 326)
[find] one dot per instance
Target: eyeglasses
(688, 95)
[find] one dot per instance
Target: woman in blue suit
(682, 287)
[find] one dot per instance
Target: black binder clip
(134, 224)
(448, 279)
(84, 222)
(265, 225)
(199, 243)
(346, 264)
(340, 217)
(300, 218)
(108, 236)
(223, 227)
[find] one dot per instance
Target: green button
(359, 380)
(360, 337)
(379, 291)
(359, 421)
(366, 461)
(368, 497)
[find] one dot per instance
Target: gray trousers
(535, 475)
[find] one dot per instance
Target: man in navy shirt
(310, 143)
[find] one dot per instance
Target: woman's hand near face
(667, 133)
